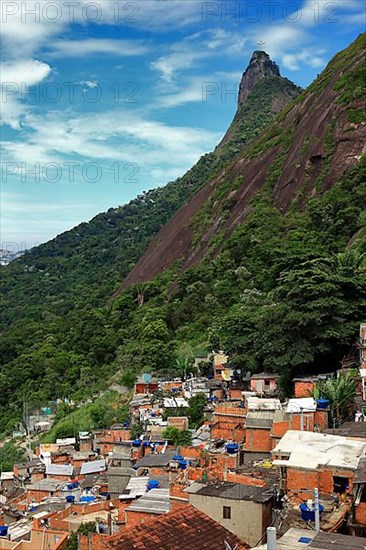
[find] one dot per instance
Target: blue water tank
(309, 514)
(145, 443)
(136, 443)
(70, 499)
(4, 530)
(232, 448)
(178, 457)
(87, 498)
(153, 484)
(322, 403)
(183, 464)
(70, 486)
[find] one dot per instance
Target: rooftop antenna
(260, 44)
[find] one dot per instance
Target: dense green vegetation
(59, 339)
(177, 437)
(341, 393)
(104, 411)
(9, 455)
(287, 291)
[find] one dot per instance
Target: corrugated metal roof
(93, 467)
(156, 460)
(59, 469)
(155, 501)
(136, 487)
(45, 485)
(232, 491)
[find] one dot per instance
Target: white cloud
(97, 46)
(107, 137)
(194, 48)
(16, 78)
(309, 57)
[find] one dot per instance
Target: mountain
(86, 264)
(260, 67)
(259, 250)
(302, 154)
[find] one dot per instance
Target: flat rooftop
(309, 450)
(294, 539)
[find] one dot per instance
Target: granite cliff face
(260, 66)
(308, 148)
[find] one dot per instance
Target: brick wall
(122, 505)
(190, 452)
(304, 389)
(245, 480)
(229, 431)
(258, 440)
(308, 479)
(91, 541)
(321, 418)
(360, 514)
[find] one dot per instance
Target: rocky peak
(260, 66)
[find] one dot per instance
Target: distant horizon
(96, 110)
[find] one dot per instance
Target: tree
(178, 437)
(128, 378)
(197, 404)
(341, 393)
(9, 455)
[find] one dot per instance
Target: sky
(102, 100)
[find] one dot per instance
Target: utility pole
(316, 509)
(271, 538)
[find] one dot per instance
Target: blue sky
(104, 99)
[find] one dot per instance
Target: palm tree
(341, 393)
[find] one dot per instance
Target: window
(266, 382)
(226, 512)
(340, 484)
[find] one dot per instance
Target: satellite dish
(226, 374)
(146, 377)
(248, 375)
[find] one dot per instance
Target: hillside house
(244, 510)
(187, 529)
(264, 384)
(60, 472)
(228, 421)
(31, 470)
(145, 388)
(147, 507)
(307, 459)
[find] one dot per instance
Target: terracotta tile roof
(187, 528)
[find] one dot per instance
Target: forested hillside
(268, 258)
